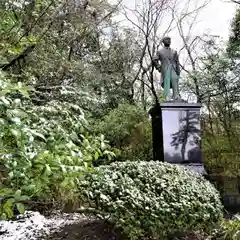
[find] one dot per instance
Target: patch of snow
(33, 225)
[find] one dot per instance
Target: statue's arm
(156, 63)
(177, 64)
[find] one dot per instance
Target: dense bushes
(153, 198)
(128, 129)
(43, 150)
(47, 153)
(231, 229)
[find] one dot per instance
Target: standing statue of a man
(169, 68)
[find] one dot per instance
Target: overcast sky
(214, 19)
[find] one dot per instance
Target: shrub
(153, 198)
(128, 129)
(228, 229)
(231, 228)
(43, 150)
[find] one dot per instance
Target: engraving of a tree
(189, 126)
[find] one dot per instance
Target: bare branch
(235, 1)
(186, 37)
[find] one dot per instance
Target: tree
(116, 66)
(57, 47)
(188, 15)
(218, 74)
(234, 39)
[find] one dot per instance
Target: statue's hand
(158, 68)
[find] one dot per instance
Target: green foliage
(221, 152)
(227, 229)
(128, 129)
(10, 200)
(231, 228)
(218, 79)
(58, 47)
(234, 39)
(76, 57)
(153, 198)
(44, 150)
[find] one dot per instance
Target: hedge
(153, 198)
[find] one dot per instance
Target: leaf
(18, 193)
(14, 132)
(64, 183)
(19, 84)
(19, 113)
(102, 137)
(20, 207)
(85, 165)
(35, 133)
(96, 155)
(2, 121)
(5, 191)
(63, 168)
(103, 145)
(48, 170)
(17, 101)
(3, 216)
(5, 101)
(104, 197)
(24, 198)
(16, 120)
(10, 175)
(8, 207)
(24, 93)
(3, 93)
(30, 187)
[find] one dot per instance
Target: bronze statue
(169, 69)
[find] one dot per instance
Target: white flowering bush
(153, 198)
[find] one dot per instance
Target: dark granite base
(176, 133)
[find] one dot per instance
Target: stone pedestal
(157, 133)
(176, 134)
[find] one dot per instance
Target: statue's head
(166, 41)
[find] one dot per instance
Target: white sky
(214, 19)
